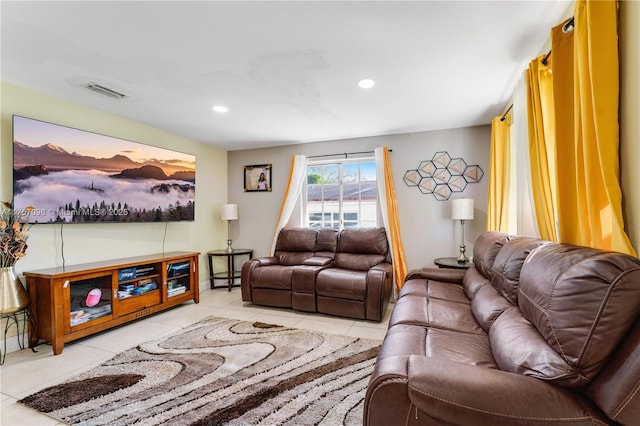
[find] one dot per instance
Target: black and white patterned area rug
(222, 371)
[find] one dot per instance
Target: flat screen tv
(75, 176)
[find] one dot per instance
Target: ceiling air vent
(105, 91)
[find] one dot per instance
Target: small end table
(28, 323)
(232, 272)
(452, 263)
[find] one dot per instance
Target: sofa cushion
(359, 249)
(473, 281)
(410, 339)
(294, 245)
(505, 272)
(581, 302)
(363, 241)
(485, 250)
(276, 277)
(436, 313)
(342, 284)
(487, 305)
(357, 262)
(518, 348)
(433, 289)
(327, 243)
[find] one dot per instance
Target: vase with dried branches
(14, 232)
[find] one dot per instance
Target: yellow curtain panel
(499, 175)
(397, 248)
(541, 124)
(586, 93)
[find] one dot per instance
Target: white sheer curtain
(521, 208)
(382, 189)
(297, 174)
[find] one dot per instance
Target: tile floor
(25, 372)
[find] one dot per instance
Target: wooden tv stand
(79, 300)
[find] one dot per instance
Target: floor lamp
(462, 210)
(229, 212)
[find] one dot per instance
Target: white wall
(427, 230)
(92, 242)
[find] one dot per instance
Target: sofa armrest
(467, 394)
(437, 391)
(318, 261)
(266, 261)
(446, 275)
(247, 269)
(379, 283)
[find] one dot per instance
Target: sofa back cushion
(505, 272)
(359, 249)
(295, 245)
(327, 243)
(485, 250)
(490, 301)
(581, 302)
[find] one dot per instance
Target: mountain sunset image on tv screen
(74, 176)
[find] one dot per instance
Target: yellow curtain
(586, 93)
(393, 225)
(499, 175)
(541, 124)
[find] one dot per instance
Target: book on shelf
(123, 294)
(141, 289)
(176, 269)
(89, 313)
(176, 290)
(144, 271)
(126, 287)
(125, 274)
(136, 288)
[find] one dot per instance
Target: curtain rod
(566, 28)
(344, 153)
(504, 116)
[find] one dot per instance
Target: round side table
(232, 272)
(452, 263)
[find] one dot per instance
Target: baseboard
(12, 344)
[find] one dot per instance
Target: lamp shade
(462, 209)
(229, 212)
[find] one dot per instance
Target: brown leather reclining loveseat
(347, 273)
(534, 333)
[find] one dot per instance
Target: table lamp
(229, 212)
(462, 210)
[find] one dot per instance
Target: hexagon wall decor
(443, 175)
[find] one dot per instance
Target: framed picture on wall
(257, 178)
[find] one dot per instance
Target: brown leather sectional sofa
(347, 273)
(534, 333)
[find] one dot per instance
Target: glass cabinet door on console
(139, 287)
(179, 278)
(89, 300)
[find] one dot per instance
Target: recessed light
(220, 108)
(366, 83)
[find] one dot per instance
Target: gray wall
(427, 230)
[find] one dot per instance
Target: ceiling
(287, 71)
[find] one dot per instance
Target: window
(341, 194)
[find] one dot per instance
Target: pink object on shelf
(93, 297)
